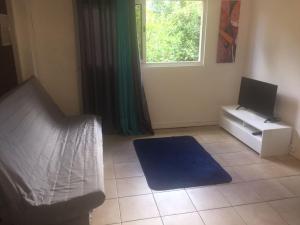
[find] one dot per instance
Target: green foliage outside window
(173, 30)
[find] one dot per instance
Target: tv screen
(258, 96)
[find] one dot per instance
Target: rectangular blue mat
(178, 162)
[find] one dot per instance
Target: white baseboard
(179, 124)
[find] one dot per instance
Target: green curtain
(134, 120)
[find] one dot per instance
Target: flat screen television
(258, 96)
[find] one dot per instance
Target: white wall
(22, 38)
(47, 47)
(191, 96)
(275, 55)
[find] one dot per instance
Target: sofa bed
(51, 165)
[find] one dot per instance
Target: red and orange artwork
(229, 27)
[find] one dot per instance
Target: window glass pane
(173, 30)
(139, 27)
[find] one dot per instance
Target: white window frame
(179, 63)
(143, 4)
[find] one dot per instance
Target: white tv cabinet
(274, 140)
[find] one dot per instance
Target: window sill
(170, 65)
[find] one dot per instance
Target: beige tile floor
(263, 191)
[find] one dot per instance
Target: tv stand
(267, 139)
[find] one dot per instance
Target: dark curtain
(111, 77)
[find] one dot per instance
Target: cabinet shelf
(274, 138)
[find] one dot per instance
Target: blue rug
(178, 162)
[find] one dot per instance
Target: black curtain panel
(111, 76)
(96, 20)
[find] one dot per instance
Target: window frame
(143, 6)
(202, 41)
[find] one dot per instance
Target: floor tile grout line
(211, 186)
(253, 181)
(186, 189)
(120, 213)
(267, 178)
(131, 178)
(243, 181)
(283, 219)
(288, 198)
(148, 218)
(120, 178)
(194, 206)
(177, 190)
(190, 199)
(134, 177)
(223, 195)
(253, 163)
(262, 200)
(240, 216)
(161, 218)
(123, 178)
(231, 205)
(217, 185)
(247, 204)
(121, 197)
(136, 196)
(266, 203)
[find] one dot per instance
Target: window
(170, 31)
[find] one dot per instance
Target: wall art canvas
(228, 32)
